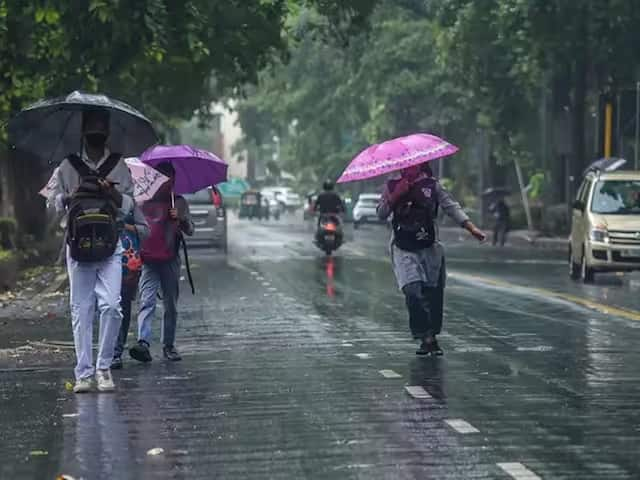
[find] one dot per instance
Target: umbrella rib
(63, 130)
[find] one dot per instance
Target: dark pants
(127, 296)
(426, 307)
(500, 230)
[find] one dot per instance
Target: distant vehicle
(274, 208)
(365, 209)
(251, 205)
(605, 229)
(329, 234)
(286, 197)
(209, 216)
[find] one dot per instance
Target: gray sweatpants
(163, 276)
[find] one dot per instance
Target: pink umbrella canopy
(396, 154)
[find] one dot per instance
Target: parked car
(365, 209)
(288, 199)
(209, 216)
(605, 229)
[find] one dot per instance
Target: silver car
(209, 216)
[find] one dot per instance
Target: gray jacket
(68, 180)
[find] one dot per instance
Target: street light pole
(637, 142)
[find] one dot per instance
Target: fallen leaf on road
(68, 386)
(155, 451)
(38, 453)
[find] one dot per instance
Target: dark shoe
(116, 363)
(425, 348)
(436, 350)
(140, 352)
(171, 354)
(430, 348)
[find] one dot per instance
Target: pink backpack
(162, 243)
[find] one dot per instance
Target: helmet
(327, 185)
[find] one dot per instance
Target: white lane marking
(363, 356)
(255, 274)
(474, 349)
(272, 289)
(266, 284)
(389, 374)
(71, 415)
(539, 348)
(347, 344)
(417, 392)
(518, 471)
(461, 426)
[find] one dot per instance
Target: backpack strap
(109, 164)
(79, 166)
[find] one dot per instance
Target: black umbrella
(498, 191)
(51, 129)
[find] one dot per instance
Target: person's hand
(173, 213)
(108, 188)
(401, 188)
(476, 232)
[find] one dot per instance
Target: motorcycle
(329, 235)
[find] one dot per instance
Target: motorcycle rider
(329, 204)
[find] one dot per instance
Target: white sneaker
(83, 385)
(105, 381)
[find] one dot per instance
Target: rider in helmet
(329, 202)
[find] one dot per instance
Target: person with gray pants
(168, 217)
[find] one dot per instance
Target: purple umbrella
(195, 169)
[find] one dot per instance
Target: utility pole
(608, 128)
(637, 141)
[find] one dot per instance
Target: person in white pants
(95, 282)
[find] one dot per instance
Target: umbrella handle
(173, 200)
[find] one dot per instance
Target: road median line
(567, 297)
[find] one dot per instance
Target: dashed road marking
(363, 356)
(518, 471)
(538, 348)
(417, 391)
(389, 374)
(71, 415)
(473, 349)
(347, 344)
(461, 426)
(266, 284)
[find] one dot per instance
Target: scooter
(329, 235)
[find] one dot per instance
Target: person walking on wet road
(94, 180)
(135, 231)
(168, 218)
(502, 216)
(413, 199)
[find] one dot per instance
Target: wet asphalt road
(296, 366)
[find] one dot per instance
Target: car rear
(365, 210)
(209, 218)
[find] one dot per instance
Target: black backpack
(92, 228)
(414, 217)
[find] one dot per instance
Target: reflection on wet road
(298, 366)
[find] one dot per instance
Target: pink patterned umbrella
(396, 154)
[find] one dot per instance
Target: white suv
(288, 199)
(365, 210)
(605, 229)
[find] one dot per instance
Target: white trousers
(94, 283)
